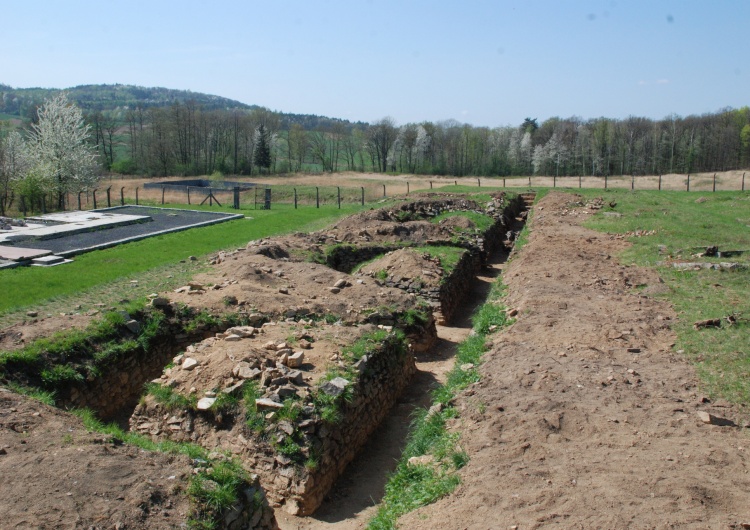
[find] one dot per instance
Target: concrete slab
(60, 224)
(21, 254)
(47, 260)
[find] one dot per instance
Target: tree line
(186, 139)
(64, 150)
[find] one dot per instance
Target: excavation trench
(298, 452)
(353, 499)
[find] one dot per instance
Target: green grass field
(684, 224)
(156, 263)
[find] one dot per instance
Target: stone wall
(381, 377)
(344, 258)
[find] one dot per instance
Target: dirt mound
(256, 283)
(584, 418)
(406, 268)
(58, 475)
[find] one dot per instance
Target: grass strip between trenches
(433, 473)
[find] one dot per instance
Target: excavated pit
(326, 357)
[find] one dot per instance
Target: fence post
(362, 188)
(503, 182)
(479, 184)
(79, 199)
(188, 192)
(688, 182)
(162, 194)
(632, 182)
(529, 181)
(236, 197)
(407, 188)
(383, 190)
(317, 197)
(122, 196)
(295, 198)
(430, 184)
(743, 181)
(94, 195)
(338, 195)
(109, 202)
(659, 181)
(605, 182)
(455, 182)
(579, 182)
(23, 205)
(554, 181)
(267, 199)
(136, 196)
(714, 182)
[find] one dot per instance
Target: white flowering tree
(14, 165)
(63, 159)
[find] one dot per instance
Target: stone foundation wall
(384, 376)
(344, 258)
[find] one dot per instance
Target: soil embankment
(584, 417)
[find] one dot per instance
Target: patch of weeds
(254, 419)
(487, 316)
(213, 491)
(225, 403)
(170, 399)
(60, 375)
(46, 397)
(448, 256)
(381, 275)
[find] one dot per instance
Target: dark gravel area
(164, 219)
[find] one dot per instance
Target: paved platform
(67, 234)
(21, 253)
(54, 225)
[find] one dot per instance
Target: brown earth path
(584, 417)
(353, 499)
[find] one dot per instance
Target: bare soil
(584, 417)
(55, 474)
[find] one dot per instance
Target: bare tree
(381, 136)
(14, 163)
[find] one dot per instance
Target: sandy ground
(584, 417)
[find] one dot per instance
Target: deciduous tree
(64, 160)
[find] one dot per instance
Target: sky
(486, 63)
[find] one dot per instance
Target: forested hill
(22, 102)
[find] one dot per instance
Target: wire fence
(305, 196)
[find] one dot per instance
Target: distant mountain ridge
(22, 102)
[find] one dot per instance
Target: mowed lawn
(161, 257)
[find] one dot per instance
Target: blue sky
(488, 63)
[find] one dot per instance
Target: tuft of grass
(170, 399)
